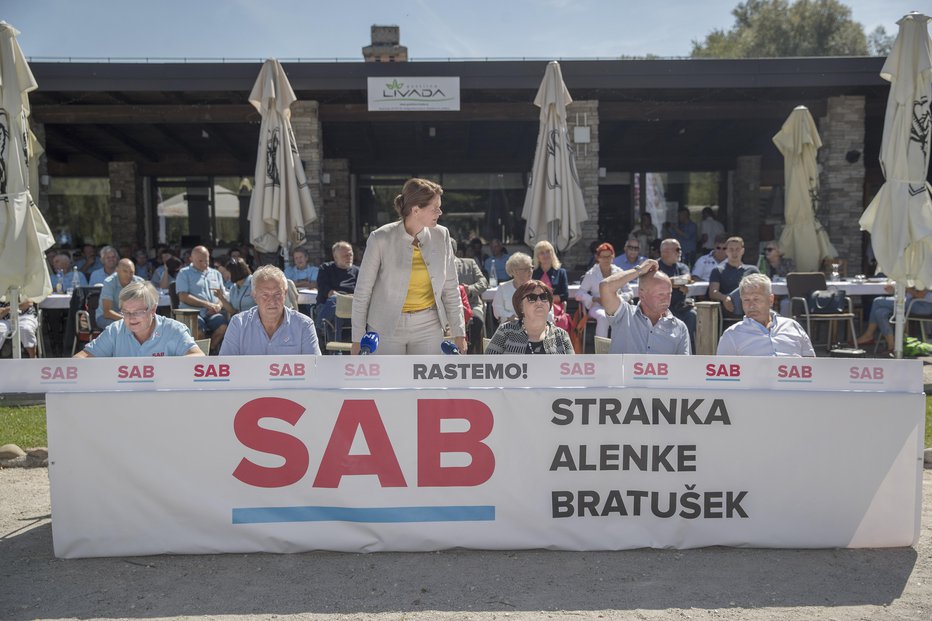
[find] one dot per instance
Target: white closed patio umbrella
(24, 234)
(280, 208)
(553, 206)
(899, 218)
(803, 239)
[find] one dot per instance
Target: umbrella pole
(900, 314)
(14, 321)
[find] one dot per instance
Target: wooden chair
(799, 285)
(602, 344)
(85, 321)
(187, 316)
(344, 310)
(922, 320)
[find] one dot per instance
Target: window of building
(79, 210)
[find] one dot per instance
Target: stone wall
(842, 182)
(126, 205)
(744, 217)
(336, 207)
(305, 120)
(585, 114)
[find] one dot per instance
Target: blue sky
(313, 29)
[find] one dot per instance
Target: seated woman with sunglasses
(531, 332)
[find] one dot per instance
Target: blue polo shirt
(309, 273)
(198, 284)
(240, 297)
(245, 336)
(170, 338)
(99, 276)
(111, 291)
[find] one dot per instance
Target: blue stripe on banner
(795, 381)
(212, 380)
(722, 379)
(135, 381)
(638, 378)
(286, 379)
(464, 513)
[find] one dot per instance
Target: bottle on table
(762, 264)
(493, 274)
(59, 281)
(75, 280)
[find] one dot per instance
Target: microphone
(368, 343)
(449, 348)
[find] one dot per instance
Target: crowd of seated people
(529, 310)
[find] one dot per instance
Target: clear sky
(431, 29)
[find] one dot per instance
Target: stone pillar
(126, 206)
(745, 218)
(305, 119)
(337, 203)
(585, 114)
(842, 182)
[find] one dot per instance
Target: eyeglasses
(769, 249)
(632, 247)
(537, 297)
(136, 314)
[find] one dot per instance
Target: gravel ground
(710, 583)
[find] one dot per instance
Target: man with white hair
(109, 258)
(270, 327)
(141, 332)
(763, 332)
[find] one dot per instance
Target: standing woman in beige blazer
(407, 289)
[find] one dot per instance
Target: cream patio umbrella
(899, 218)
(280, 208)
(553, 206)
(24, 234)
(803, 238)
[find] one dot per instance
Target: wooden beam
(56, 133)
(704, 110)
(145, 114)
(330, 113)
(131, 143)
(173, 136)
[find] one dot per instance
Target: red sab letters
(722, 370)
(211, 370)
(59, 373)
(363, 416)
(866, 373)
(650, 368)
(146, 371)
(803, 371)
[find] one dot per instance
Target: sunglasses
(537, 297)
(632, 247)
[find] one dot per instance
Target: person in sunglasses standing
(531, 331)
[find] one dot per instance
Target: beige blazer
(385, 272)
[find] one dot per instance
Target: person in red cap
(588, 293)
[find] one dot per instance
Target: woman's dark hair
(238, 269)
(526, 288)
(416, 193)
(173, 265)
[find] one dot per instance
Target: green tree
(776, 28)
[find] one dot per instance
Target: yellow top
(420, 293)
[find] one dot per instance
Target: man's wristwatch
(637, 268)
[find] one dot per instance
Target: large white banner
(566, 467)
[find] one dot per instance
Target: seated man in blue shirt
(632, 255)
(108, 310)
(763, 332)
(270, 327)
(141, 332)
(301, 272)
(649, 327)
(196, 285)
(108, 257)
(724, 279)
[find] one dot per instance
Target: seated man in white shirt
(763, 332)
(708, 262)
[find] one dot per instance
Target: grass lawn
(25, 426)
